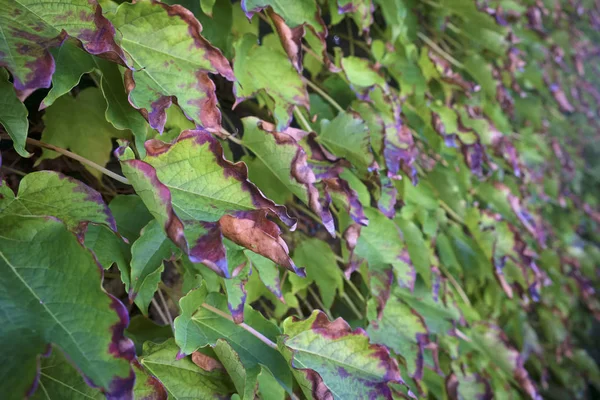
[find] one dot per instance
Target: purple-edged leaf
(418, 248)
(290, 20)
(60, 380)
(197, 327)
(147, 256)
(45, 270)
(280, 81)
(171, 60)
(147, 387)
(79, 124)
(13, 114)
(331, 361)
(461, 385)
(71, 63)
(31, 27)
(362, 12)
(401, 329)
(239, 270)
(54, 194)
(190, 184)
(342, 194)
(287, 161)
(181, 377)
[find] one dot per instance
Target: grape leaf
(181, 377)
(171, 60)
(71, 63)
(51, 193)
(280, 81)
(197, 327)
(347, 136)
(401, 329)
(32, 27)
(331, 361)
(44, 268)
(321, 268)
(211, 189)
(59, 379)
(13, 114)
(287, 162)
(79, 124)
(147, 255)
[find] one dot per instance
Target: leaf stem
(160, 311)
(319, 302)
(74, 156)
(351, 305)
(322, 93)
(166, 307)
(248, 328)
(456, 285)
(302, 121)
(437, 48)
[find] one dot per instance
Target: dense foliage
(349, 199)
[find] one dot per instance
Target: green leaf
(147, 255)
(51, 193)
(332, 361)
(44, 268)
(245, 381)
(130, 214)
(141, 330)
(418, 249)
(171, 60)
(33, 27)
(267, 271)
(60, 380)
(321, 267)
(235, 287)
(380, 244)
(13, 114)
(197, 327)
(347, 136)
(119, 111)
(361, 74)
(287, 162)
(78, 124)
(71, 63)
(181, 377)
(401, 329)
(211, 189)
(280, 81)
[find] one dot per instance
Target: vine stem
(74, 156)
(302, 121)
(160, 312)
(166, 306)
(322, 93)
(437, 48)
(319, 302)
(248, 328)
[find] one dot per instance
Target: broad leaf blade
(171, 60)
(337, 362)
(41, 306)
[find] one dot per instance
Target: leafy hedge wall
(349, 199)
